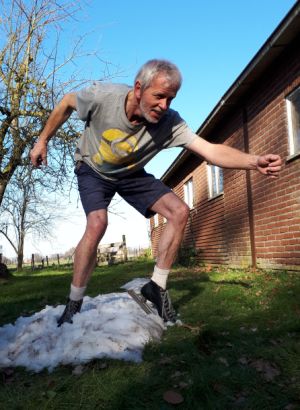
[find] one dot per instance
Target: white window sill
(293, 157)
(216, 196)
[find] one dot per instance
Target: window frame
(188, 193)
(210, 181)
(155, 220)
(294, 147)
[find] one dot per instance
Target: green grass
(239, 350)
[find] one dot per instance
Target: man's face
(155, 100)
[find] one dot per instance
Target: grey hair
(152, 68)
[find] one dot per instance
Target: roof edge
(272, 41)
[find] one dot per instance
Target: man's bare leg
(176, 212)
(86, 251)
(84, 262)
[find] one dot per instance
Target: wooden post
(111, 258)
(58, 259)
(47, 261)
(98, 256)
(32, 261)
(124, 248)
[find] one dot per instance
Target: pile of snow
(108, 326)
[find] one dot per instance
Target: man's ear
(137, 90)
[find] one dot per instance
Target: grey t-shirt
(113, 146)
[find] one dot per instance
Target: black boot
(72, 307)
(161, 300)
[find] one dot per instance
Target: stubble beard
(145, 113)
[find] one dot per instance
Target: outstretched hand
(38, 154)
(269, 165)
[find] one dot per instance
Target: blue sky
(210, 41)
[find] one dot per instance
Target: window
(155, 218)
(189, 193)
(215, 180)
(293, 114)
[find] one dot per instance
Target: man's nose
(164, 104)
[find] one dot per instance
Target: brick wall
(276, 203)
(256, 220)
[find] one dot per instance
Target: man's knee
(96, 224)
(180, 214)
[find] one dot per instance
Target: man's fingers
(34, 160)
(273, 174)
(38, 156)
(274, 168)
(274, 160)
(38, 161)
(276, 163)
(270, 165)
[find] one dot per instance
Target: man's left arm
(228, 157)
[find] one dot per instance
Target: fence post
(111, 258)
(98, 256)
(124, 247)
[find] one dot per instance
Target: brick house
(241, 218)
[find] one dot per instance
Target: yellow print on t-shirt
(115, 146)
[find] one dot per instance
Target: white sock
(77, 293)
(160, 276)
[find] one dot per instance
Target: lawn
(239, 347)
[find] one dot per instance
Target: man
(124, 128)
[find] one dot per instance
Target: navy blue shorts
(139, 189)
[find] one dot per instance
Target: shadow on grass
(228, 365)
(180, 364)
(25, 295)
(189, 286)
(193, 285)
(232, 282)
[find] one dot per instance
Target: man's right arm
(59, 115)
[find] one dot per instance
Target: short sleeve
(182, 135)
(86, 101)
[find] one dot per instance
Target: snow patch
(108, 326)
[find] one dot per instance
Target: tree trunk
(20, 261)
(2, 190)
(20, 253)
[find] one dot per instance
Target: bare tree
(31, 82)
(26, 208)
